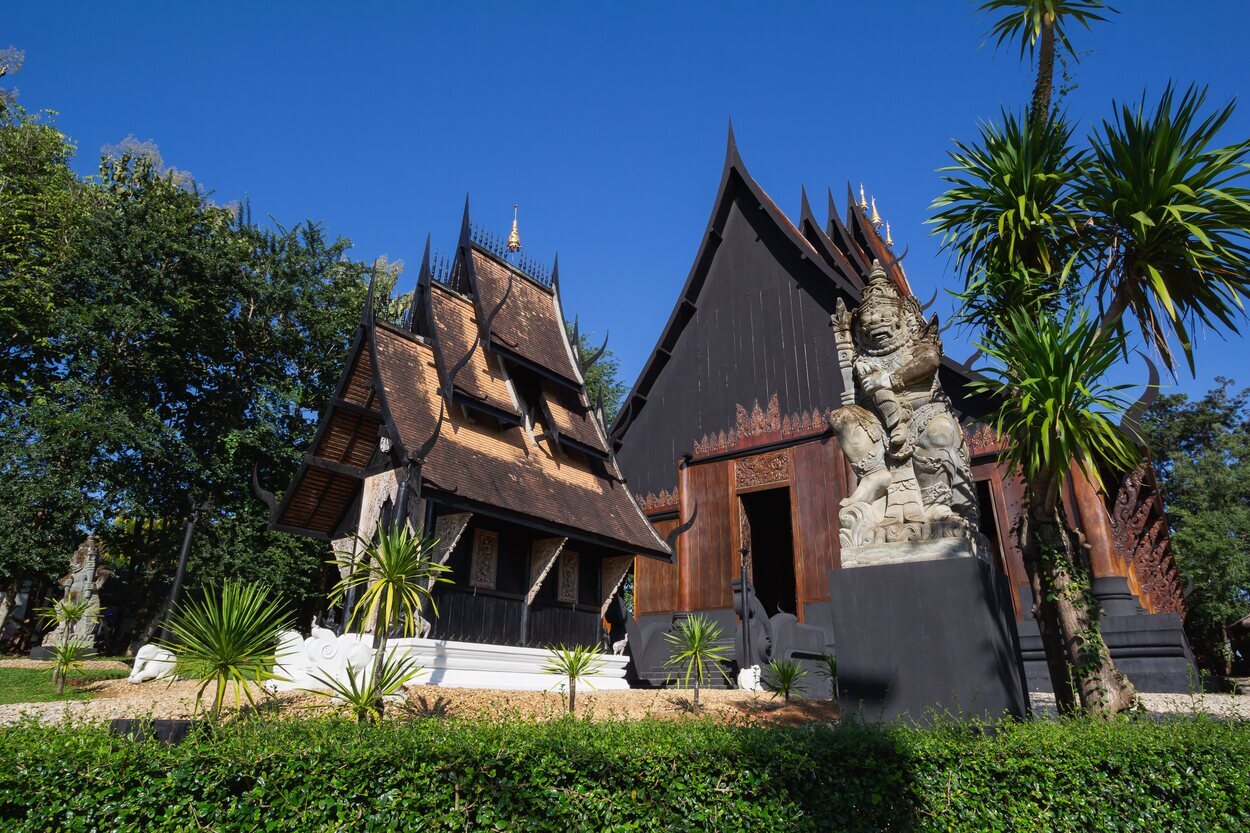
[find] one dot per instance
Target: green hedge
(685, 775)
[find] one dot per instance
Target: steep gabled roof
(734, 177)
(480, 382)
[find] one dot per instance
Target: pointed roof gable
(480, 382)
(734, 178)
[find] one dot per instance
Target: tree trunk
(572, 695)
(696, 695)
(1050, 551)
(1039, 109)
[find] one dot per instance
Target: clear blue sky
(606, 122)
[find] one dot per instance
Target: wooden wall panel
(656, 584)
(818, 483)
(706, 551)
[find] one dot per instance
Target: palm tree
(697, 649)
(395, 573)
(574, 663)
(785, 677)
(1056, 412)
(1149, 223)
(1036, 24)
(229, 636)
(67, 654)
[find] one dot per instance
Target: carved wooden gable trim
(448, 529)
(611, 577)
(543, 557)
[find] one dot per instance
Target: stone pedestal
(919, 639)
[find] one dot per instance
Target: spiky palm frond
(364, 693)
(574, 663)
(1021, 20)
(1009, 217)
(1169, 205)
(697, 649)
(230, 636)
(784, 677)
(395, 573)
(67, 657)
(1053, 407)
(69, 612)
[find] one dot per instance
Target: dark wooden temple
(730, 414)
(478, 394)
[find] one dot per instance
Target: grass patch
(34, 685)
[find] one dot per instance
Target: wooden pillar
(1110, 578)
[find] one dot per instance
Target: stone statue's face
(881, 326)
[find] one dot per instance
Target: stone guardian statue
(915, 498)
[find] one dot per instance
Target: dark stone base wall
(926, 638)
(1150, 648)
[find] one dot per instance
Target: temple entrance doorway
(767, 522)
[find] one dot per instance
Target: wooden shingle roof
(481, 379)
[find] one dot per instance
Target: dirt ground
(159, 699)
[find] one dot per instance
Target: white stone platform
(443, 663)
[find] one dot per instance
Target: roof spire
(863, 203)
(889, 241)
(514, 237)
(876, 218)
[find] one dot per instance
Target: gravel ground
(118, 698)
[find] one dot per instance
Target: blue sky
(606, 122)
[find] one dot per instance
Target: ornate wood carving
(981, 439)
(484, 561)
(760, 426)
(1140, 534)
(612, 572)
(568, 577)
(542, 558)
(651, 503)
(448, 529)
(762, 469)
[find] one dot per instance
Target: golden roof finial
(876, 218)
(514, 237)
(889, 241)
(863, 203)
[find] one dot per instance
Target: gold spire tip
(514, 237)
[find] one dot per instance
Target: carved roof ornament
(889, 239)
(876, 217)
(863, 203)
(514, 236)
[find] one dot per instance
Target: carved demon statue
(897, 428)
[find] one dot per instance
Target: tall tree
(603, 378)
(1148, 223)
(1201, 452)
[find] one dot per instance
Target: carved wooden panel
(762, 469)
(1140, 534)
(543, 557)
(568, 573)
(759, 426)
(448, 529)
(484, 560)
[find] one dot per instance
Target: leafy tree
(1148, 223)
(603, 379)
(1201, 452)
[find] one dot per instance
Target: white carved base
(873, 555)
(152, 662)
(445, 663)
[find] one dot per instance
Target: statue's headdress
(880, 289)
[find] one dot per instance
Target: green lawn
(34, 685)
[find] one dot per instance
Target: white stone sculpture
(323, 654)
(749, 679)
(915, 498)
(152, 662)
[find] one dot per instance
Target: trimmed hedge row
(685, 775)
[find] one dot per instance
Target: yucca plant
(827, 667)
(697, 650)
(396, 573)
(574, 663)
(784, 677)
(1151, 220)
(364, 692)
(1056, 413)
(67, 657)
(227, 637)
